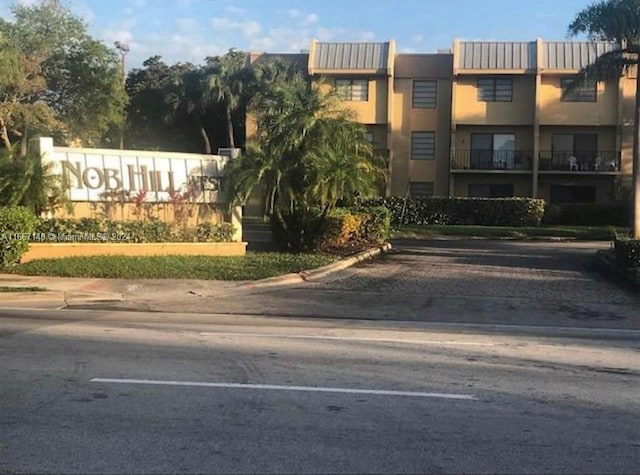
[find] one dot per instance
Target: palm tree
(619, 21)
(226, 81)
(308, 154)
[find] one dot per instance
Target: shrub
(628, 253)
(299, 229)
(579, 214)
(341, 228)
(152, 230)
(377, 225)
(16, 224)
(463, 211)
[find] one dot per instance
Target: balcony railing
(492, 160)
(599, 162)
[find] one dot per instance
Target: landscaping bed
(252, 266)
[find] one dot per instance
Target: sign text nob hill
(87, 174)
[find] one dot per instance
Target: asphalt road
(106, 392)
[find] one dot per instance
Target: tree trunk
(205, 138)
(4, 134)
(635, 207)
(232, 143)
(24, 142)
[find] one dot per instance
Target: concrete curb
(43, 296)
(305, 275)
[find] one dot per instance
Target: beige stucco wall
(521, 183)
(405, 120)
(554, 111)
(520, 111)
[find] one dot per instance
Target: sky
(190, 30)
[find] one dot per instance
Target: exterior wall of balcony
(555, 111)
(469, 110)
(522, 184)
(605, 186)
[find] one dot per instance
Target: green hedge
(606, 214)
(463, 211)
(628, 253)
(16, 227)
(137, 231)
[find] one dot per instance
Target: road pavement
(117, 392)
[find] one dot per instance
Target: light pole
(123, 48)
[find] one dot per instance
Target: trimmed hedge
(16, 227)
(138, 231)
(348, 227)
(605, 214)
(627, 253)
(342, 228)
(463, 211)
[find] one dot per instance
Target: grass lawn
(253, 266)
(597, 233)
(4, 289)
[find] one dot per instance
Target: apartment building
(487, 119)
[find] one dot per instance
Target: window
(495, 90)
(355, 90)
(421, 188)
(586, 92)
(493, 151)
(572, 194)
(423, 145)
(490, 191)
(425, 94)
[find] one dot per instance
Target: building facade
(487, 119)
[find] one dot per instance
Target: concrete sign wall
(90, 175)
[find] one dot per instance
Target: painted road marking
(376, 392)
(347, 338)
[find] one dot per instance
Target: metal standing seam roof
(574, 54)
(354, 56)
(497, 55)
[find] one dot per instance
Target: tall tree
(619, 21)
(152, 119)
(227, 81)
(75, 78)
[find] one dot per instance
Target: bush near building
(592, 214)
(462, 211)
(16, 223)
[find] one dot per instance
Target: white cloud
(249, 28)
(417, 39)
(233, 10)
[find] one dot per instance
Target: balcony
(585, 162)
(493, 160)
